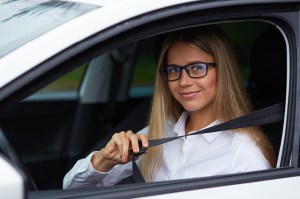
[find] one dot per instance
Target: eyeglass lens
(193, 70)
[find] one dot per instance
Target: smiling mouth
(189, 94)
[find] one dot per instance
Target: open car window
(116, 90)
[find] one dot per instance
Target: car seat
(135, 121)
(267, 80)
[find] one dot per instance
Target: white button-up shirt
(217, 153)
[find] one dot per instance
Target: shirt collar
(179, 128)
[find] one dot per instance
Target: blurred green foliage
(70, 81)
(144, 74)
(242, 35)
(145, 67)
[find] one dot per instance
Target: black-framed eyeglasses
(194, 70)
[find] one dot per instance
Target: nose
(184, 79)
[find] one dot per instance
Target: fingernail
(145, 144)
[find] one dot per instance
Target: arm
(109, 165)
(83, 174)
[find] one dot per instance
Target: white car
(72, 72)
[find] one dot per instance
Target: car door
(282, 15)
(56, 125)
(38, 127)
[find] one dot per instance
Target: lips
(189, 94)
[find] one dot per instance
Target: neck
(199, 119)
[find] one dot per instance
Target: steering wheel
(9, 152)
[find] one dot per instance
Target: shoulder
(241, 139)
(247, 156)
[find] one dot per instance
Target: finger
(117, 142)
(144, 140)
(134, 139)
(130, 157)
(125, 147)
(111, 146)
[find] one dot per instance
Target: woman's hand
(119, 150)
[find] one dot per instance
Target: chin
(191, 108)
(196, 108)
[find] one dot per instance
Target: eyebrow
(189, 63)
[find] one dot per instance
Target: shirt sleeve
(83, 174)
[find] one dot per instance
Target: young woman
(198, 85)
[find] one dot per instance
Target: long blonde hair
(231, 100)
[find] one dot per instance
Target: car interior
(60, 123)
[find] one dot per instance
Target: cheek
(172, 87)
(212, 81)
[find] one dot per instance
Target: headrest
(268, 65)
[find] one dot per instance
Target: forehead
(182, 53)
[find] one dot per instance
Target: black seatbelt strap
(267, 115)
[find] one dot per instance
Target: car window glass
(69, 82)
(64, 87)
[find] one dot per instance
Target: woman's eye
(198, 67)
(173, 70)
